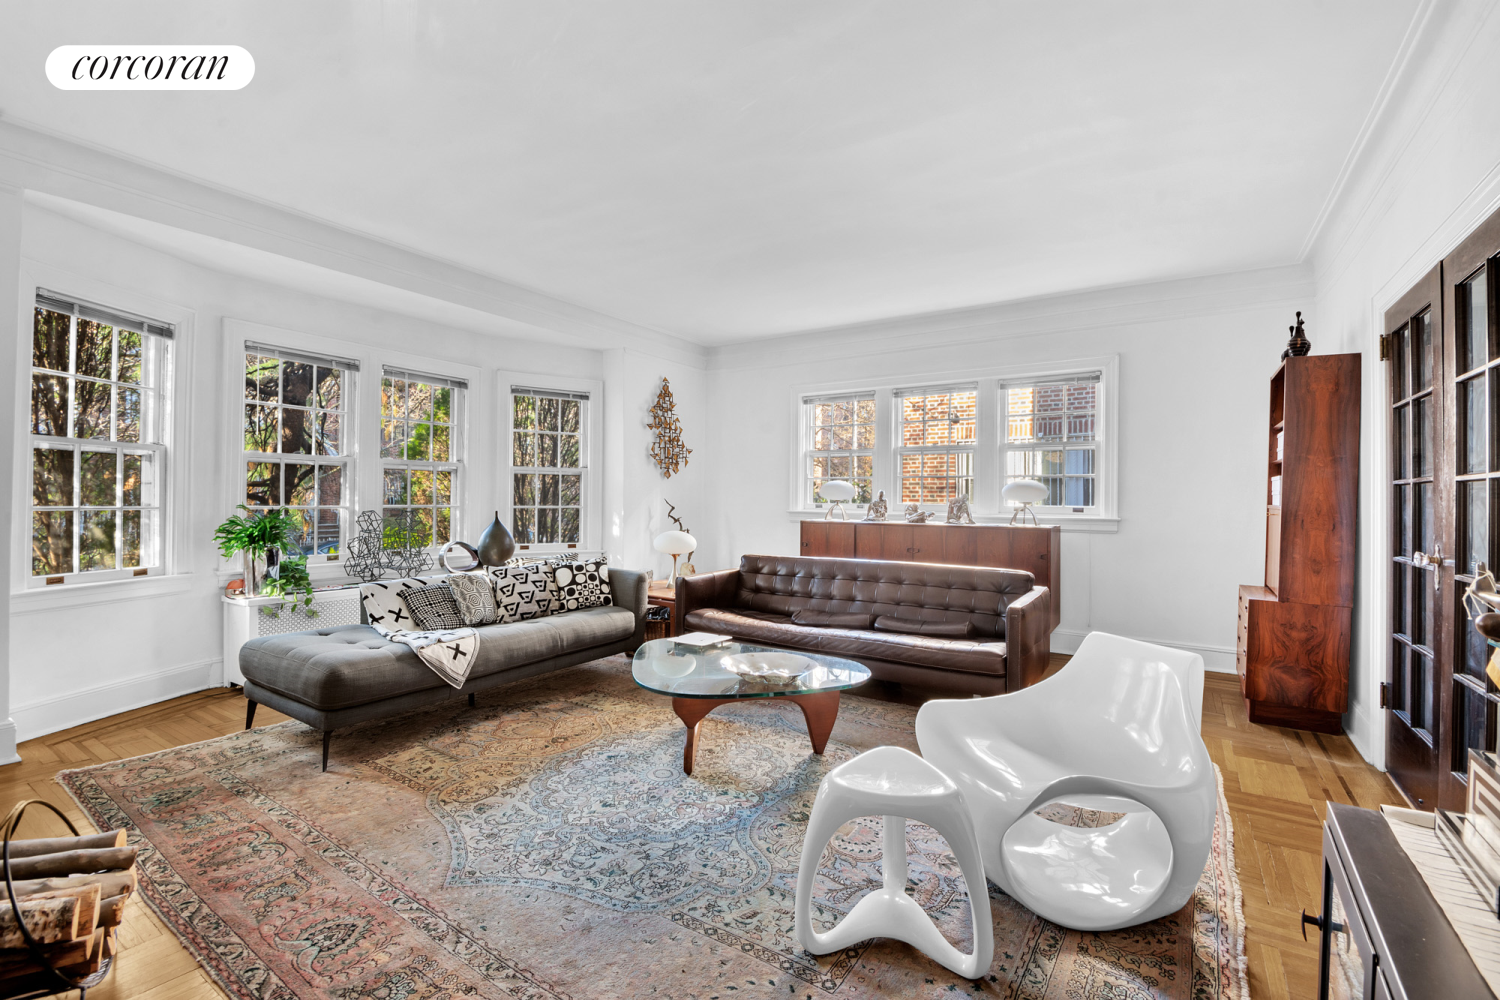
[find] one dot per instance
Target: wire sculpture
(366, 558)
(405, 547)
(668, 451)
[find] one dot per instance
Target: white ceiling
(729, 170)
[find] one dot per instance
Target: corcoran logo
(150, 67)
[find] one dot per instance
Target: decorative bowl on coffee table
(698, 680)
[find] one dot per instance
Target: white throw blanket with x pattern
(449, 653)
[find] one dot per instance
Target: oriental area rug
(547, 845)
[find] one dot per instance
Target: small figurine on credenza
(877, 509)
(915, 515)
(958, 510)
(1298, 346)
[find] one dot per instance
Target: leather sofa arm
(705, 590)
(628, 590)
(1028, 638)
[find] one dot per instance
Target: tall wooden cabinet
(1292, 652)
(1035, 549)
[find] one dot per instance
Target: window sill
(1079, 523)
(81, 595)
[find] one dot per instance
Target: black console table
(1384, 937)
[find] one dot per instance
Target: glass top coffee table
(698, 680)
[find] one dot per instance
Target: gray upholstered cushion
(330, 669)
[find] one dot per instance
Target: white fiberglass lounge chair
(1119, 730)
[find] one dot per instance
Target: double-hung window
(296, 435)
(421, 444)
(840, 444)
(548, 463)
(938, 434)
(99, 391)
(1051, 435)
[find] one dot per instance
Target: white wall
(1195, 359)
(1428, 173)
(103, 648)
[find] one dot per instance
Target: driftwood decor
(667, 450)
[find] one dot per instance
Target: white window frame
(590, 519)
(901, 449)
(811, 453)
(989, 454)
(345, 459)
(1095, 445)
(159, 413)
(457, 443)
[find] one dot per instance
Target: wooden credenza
(1292, 651)
(1038, 550)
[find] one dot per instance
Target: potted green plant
(291, 583)
(253, 533)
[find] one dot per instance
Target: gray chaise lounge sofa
(331, 678)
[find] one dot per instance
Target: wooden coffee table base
(820, 710)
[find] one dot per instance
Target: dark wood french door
(1416, 381)
(1445, 512)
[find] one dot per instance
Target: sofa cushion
(770, 629)
(583, 584)
(831, 619)
(330, 669)
(524, 592)
(919, 626)
(785, 584)
(475, 598)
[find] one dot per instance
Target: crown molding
(36, 160)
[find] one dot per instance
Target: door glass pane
(1473, 431)
(1472, 712)
(1402, 521)
(1421, 437)
(1421, 690)
(1398, 674)
(1421, 607)
(1474, 652)
(1424, 517)
(1473, 508)
(1400, 364)
(1473, 323)
(1399, 573)
(1400, 442)
(1346, 967)
(1422, 352)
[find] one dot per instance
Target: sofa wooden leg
(327, 739)
(471, 699)
(249, 713)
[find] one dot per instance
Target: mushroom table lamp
(674, 544)
(1024, 492)
(837, 491)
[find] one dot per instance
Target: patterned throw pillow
(433, 607)
(523, 592)
(475, 598)
(384, 606)
(583, 585)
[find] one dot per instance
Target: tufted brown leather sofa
(1008, 610)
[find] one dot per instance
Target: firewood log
(19, 961)
(110, 883)
(112, 910)
(56, 845)
(88, 905)
(48, 920)
(73, 862)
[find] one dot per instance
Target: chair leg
(327, 739)
(471, 699)
(249, 713)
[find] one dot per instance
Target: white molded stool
(899, 785)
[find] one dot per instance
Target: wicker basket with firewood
(71, 894)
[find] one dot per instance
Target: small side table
(661, 594)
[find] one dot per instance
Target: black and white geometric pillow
(433, 607)
(383, 605)
(475, 598)
(583, 585)
(523, 592)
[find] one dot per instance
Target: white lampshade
(837, 489)
(675, 543)
(1025, 491)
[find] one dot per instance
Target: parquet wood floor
(1276, 781)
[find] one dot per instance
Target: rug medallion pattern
(547, 844)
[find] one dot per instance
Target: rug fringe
(1241, 960)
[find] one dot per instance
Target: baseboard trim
(8, 753)
(1218, 659)
(51, 715)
